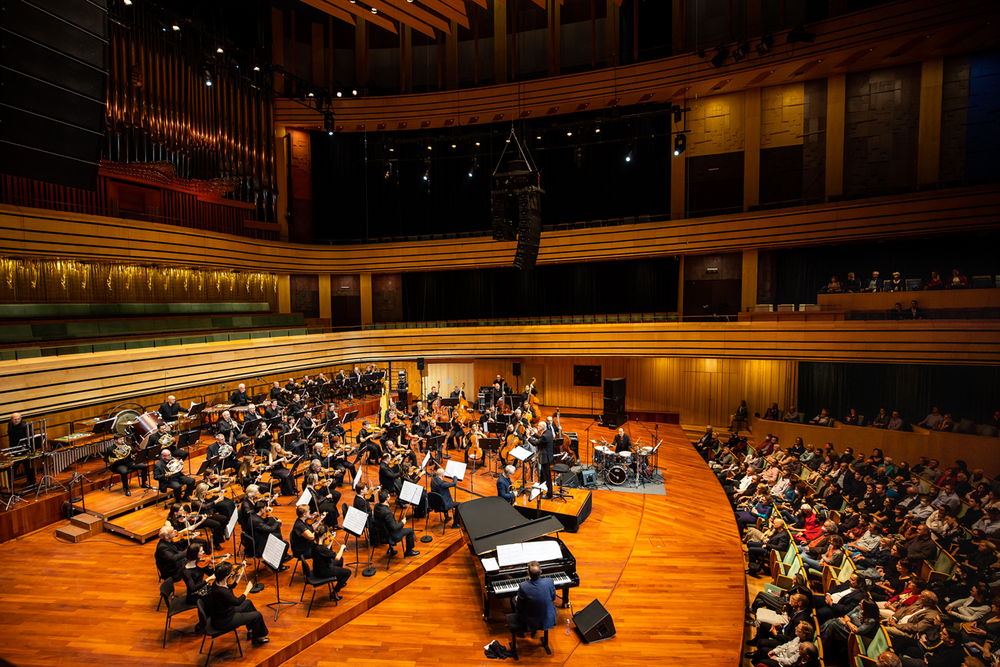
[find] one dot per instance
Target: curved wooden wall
(38, 232)
(57, 383)
(855, 42)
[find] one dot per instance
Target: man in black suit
(443, 489)
(271, 411)
(505, 485)
(239, 397)
(913, 313)
(622, 442)
(156, 441)
(169, 409)
(250, 419)
(388, 475)
(397, 531)
(213, 452)
(17, 434)
(261, 526)
(176, 481)
(544, 443)
(170, 556)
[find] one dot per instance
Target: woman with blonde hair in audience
(947, 424)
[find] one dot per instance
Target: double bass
(566, 450)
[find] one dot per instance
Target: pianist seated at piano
(534, 604)
(505, 487)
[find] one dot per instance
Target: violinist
(170, 554)
(457, 434)
(263, 524)
(230, 612)
(326, 563)
(303, 536)
(276, 460)
(262, 439)
(248, 474)
(215, 493)
(367, 440)
(214, 520)
(126, 466)
(194, 575)
(488, 420)
(389, 474)
(364, 495)
(338, 457)
(181, 518)
(247, 505)
(321, 490)
(416, 411)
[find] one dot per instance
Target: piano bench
(516, 627)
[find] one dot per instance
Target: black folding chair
(435, 503)
(314, 581)
(175, 605)
(385, 540)
(208, 630)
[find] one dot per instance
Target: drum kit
(617, 468)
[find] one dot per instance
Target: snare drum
(617, 475)
(624, 458)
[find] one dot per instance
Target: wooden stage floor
(669, 569)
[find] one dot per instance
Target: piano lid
(489, 522)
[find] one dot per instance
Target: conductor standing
(544, 443)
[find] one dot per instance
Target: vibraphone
(64, 455)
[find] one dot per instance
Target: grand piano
(489, 523)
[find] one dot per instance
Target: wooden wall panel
(49, 383)
(446, 376)
(50, 234)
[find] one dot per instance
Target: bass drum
(617, 475)
(148, 423)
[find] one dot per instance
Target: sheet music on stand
(490, 564)
(355, 521)
(455, 470)
(537, 489)
(427, 457)
(525, 552)
(305, 498)
(520, 453)
(231, 526)
(411, 493)
(274, 551)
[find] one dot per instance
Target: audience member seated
(947, 424)
(772, 412)
(896, 423)
(957, 280)
(908, 622)
(772, 635)
(832, 287)
(894, 284)
(913, 313)
(790, 653)
(935, 282)
(791, 415)
(863, 620)
(873, 284)
(822, 419)
(881, 420)
(852, 417)
(852, 284)
(933, 419)
(896, 313)
(776, 538)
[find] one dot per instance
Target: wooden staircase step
(71, 533)
(92, 524)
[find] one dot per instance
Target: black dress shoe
(145, 486)
(335, 596)
(411, 553)
(750, 655)
(127, 492)
(391, 552)
(260, 640)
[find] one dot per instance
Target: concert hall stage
(667, 568)
(571, 511)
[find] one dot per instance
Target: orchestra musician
(262, 525)
(488, 420)
(213, 451)
(272, 411)
(303, 538)
(337, 459)
(389, 474)
(398, 531)
(170, 409)
(239, 397)
(331, 421)
(367, 439)
(505, 485)
(456, 435)
(416, 410)
(219, 503)
(262, 439)
(276, 393)
(194, 575)
(291, 425)
(172, 480)
(126, 466)
(432, 396)
(179, 518)
(276, 460)
(322, 492)
(230, 612)
(457, 392)
(170, 554)
(443, 489)
(247, 505)
(294, 407)
(327, 564)
(17, 436)
(529, 391)
(291, 388)
(363, 495)
(210, 519)
(163, 430)
(496, 393)
(545, 444)
(230, 429)
(251, 418)
(308, 428)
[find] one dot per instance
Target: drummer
(623, 447)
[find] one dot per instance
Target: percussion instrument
(602, 455)
(214, 413)
(67, 456)
(147, 423)
(624, 458)
(239, 413)
(617, 475)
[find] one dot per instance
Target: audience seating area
(51, 329)
(531, 321)
(860, 495)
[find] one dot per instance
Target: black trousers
(126, 468)
(341, 573)
(547, 478)
(284, 476)
(177, 482)
(407, 534)
(246, 615)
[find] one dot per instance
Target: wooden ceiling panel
(406, 18)
(446, 10)
(374, 19)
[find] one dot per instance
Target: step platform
(571, 511)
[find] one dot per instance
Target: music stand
(490, 446)
(523, 455)
(274, 552)
(355, 523)
(434, 443)
(104, 426)
(348, 419)
(206, 464)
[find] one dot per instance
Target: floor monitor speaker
(594, 623)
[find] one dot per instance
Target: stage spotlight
(741, 52)
(206, 75)
(256, 68)
(219, 50)
(354, 92)
(328, 122)
(680, 143)
(128, 3)
(677, 112)
(628, 158)
(374, 11)
(765, 45)
(339, 94)
(569, 133)
(720, 57)
(176, 27)
(597, 130)
(427, 174)
(800, 35)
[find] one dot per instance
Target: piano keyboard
(511, 585)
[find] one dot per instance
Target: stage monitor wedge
(594, 623)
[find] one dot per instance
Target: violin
(211, 561)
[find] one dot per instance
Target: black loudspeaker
(614, 388)
(517, 369)
(568, 479)
(574, 442)
(53, 73)
(420, 363)
(588, 477)
(594, 623)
